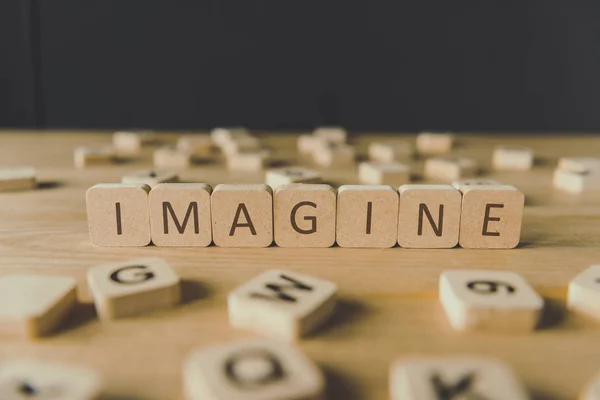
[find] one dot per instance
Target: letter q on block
(491, 217)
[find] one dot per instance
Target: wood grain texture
(389, 306)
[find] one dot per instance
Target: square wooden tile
(375, 173)
(584, 292)
(222, 135)
(448, 168)
(118, 214)
(242, 215)
(432, 143)
(575, 181)
(493, 301)
(333, 134)
(518, 158)
(294, 174)
(241, 144)
(254, 369)
(34, 305)
(453, 377)
(22, 379)
(86, 156)
(150, 177)
(123, 289)
(579, 164)
(282, 305)
(307, 144)
(335, 155)
(367, 216)
(170, 157)
(197, 145)
(305, 215)
(17, 179)
(131, 142)
(429, 216)
(390, 151)
(248, 160)
(180, 214)
(491, 217)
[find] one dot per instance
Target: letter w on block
(282, 304)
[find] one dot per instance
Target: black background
(368, 65)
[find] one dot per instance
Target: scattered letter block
(281, 304)
(392, 174)
(170, 157)
(304, 215)
(180, 214)
(448, 168)
(491, 217)
(198, 145)
(308, 143)
(333, 134)
(220, 136)
(242, 215)
(150, 178)
(34, 305)
(19, 178)
(252, 370)
(390, 151)
(584, 292)
(129, 288)
(248, 160)
(434, 143)
(579, 164)
(495, 301)
(367, 216)
(131, 142)
(90, 156)
(449, 378)
(513, 158)
(240, 145)
(429, 216)
(285, 176)
(575, 181)
(334, 155)
(118, 214)
(30, 379)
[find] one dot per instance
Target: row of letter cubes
(305, 215)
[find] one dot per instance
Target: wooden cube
(576, 182)
(34, 305)
(84, 156)
(579, 164)
(251, 370)
(170, 157)
(197, 145)
(17, 178)
(367, 216)
(518, 158)
(32, 379)
(453, 377)
(308, 143)
(180, 214)
(333, 134)
(447, 168)
(150, 177)
(432, 143)
(222, 135)
(390, 151)
(429, 216)
(131, 142)
(392, 174)
(491, 217)
(242, 215)
(460, 183)
(584, 292)
(334, 155)
(494, 301)
(284, 176)
(248, 160)
(118, 214)
(240, 145)
(305, 215)
(123, 289)
(282, 305)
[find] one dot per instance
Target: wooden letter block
(90, 156)
(248, 160)
(222, 135)
(240, 145)
(453, 378)
(308, 143)
(448, 168)
(575, 181)
(579, 164)
(180, 214)
(584, 293)
(22, 379)
(281, 304)
(242, 215)
(304, 215)
(513, 158)
(334, 155)
(333, 134)
(34, 305)
(150, 178)
(15, 179)
(494, 301)
(460, 183)
(131, 142)
(491, 217)
(390, 151)
(118, 214)
(392, 174)
(134, 287)
(251, 370)
(367, 216)
(170, 157)
(285, 176)
(198, 145)
(429, 216)
(434, 143)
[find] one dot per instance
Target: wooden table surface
(388, 298)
